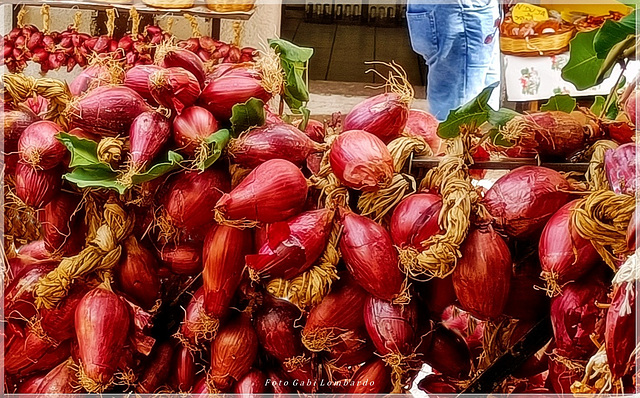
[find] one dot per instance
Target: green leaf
(83, 151)
(562, 102)
(598, 104)
(584, 64)
(216, 141)
(613, 32)
(306, 113)
(500, 117)
(290, 51)
(247, 115)
(293, 60)
(613, 110)
(471, 114)
(498, 139)
(167, 163)
(95, 176)
(616, 54)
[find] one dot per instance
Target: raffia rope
(45, 11)
(20, 221)
(111, 21)
(597, 376)
(603, 217)
(403, 147)
(101, 254)
(195, 26)
(595, 175)
(110, 150)
(18, 87)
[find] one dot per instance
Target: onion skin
(447, 352)
(293, 246)
(392, 327)
(619, 334)
(57, 219)
(575, 316)
(39, 147)
(102, 324)
(59, 380)
(137, 79)
(15, 122)
(183, 258)
(157, 371)
(352, 347)
(107, 111)
(632, 232)
(34, 187)
(191, 197)
(174, 88)
(315, 130)
(273, 191)
(437, 294)
(370, 257)
(252, 384)
(30, 354)
(236, 86)
(553, 133)
(424, 125)
(279, 383)
(137, 274)
(186, 59)
(191, 127)
(564, 255)
(383, 115)
(233, 352)
(525, 302)
(523, 200)
(184, 368)
(223, 256)
(415, 219)
(18, 295)
(147, 135)
(483, 270)
(620, 165)
(59, 322)
(361, 160)
(372, 378)
(272, 141)
(89, 76)
(561, 377)
(190, 329)
(434, 383)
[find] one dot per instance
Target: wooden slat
(426, 162)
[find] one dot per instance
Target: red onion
(136, 274)
(174, 88)
(526, 302)
(59, 380)
(632, 232)
(18, 295)
(91, 75)
(393, 328)
(619, 333)
(157, 371)
(39, 147)
(57, 219)
(102, 325)
(107, 110)
(272, 141)
(20, 263)
(361, 161)
(36, 249)
(434, 384)
(575, 317)
(137, 79)
(190, 198)
(292, 246)
(192, 127)
(483, 270)
(631, 107)
(236, 86)
(561, 374)
(183, 58)
(223, 257)
(424, 125)
(415, 219)
(370, 256)
(28, 386)
(564, 254)
(32, 353)
(438, 294)
(15, 122)
(447, 352)
(523, 200)
(233, 352)
(197, 327)
(621, 166)
(471, 329)
(58, 323)
(351, 347)
(315, 130)
(328, 320)
(183, 258)
(383, 115)
(372, 378)
(148, 133)
(273, 191)
(277, 382)
(252, 385)
(184, 368)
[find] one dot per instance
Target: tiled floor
(342, 50)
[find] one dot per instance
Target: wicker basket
(175, 4)
(545, 44)
(230, 5)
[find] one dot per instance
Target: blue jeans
(459, 42)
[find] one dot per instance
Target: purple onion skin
(393, 328)
(621, 166)
(147, 135)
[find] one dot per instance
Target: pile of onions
(273, 191)
(483, 270)
(523, 200)
(564, 255)
(292, 247)
(619, 336)
(174, 88)
(272, 141)
(424, 125)
(370, 256)
(383, 115)
(361, 160)
(182, 58)
(415, 220)
(196, 327)
(58, 218)
(621, 166)
(184, 369)
(14, 122)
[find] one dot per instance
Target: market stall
(176, 221)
